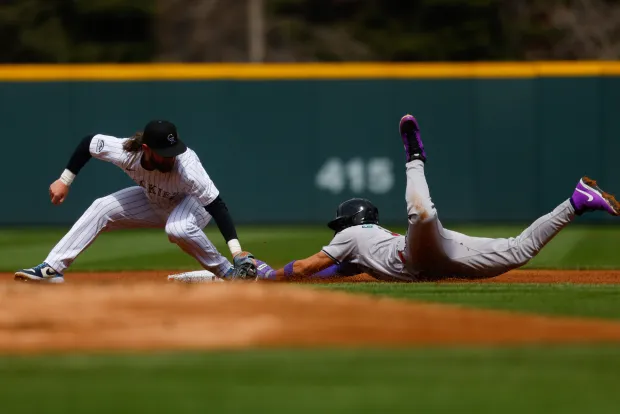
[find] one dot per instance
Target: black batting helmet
(354, 212)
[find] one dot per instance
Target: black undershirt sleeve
(220, 214)
(81, 155)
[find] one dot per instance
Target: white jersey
(164, 190)
(376, 251)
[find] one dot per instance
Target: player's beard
(165, 166)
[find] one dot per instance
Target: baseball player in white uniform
(428, 251)
(173, 192)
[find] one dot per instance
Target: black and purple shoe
(410, 133)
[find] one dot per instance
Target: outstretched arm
(297, 269)
(219, 211)
(305, 267)
(60, 188)
(333, 260)
(203, 188)
(244, 264)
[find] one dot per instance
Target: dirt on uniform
(143, 311)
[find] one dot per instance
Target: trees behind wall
(307, 30)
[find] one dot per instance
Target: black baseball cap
(162, 137)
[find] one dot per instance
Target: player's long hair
(133, 144)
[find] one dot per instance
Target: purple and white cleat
(589, 197)
(410, 133)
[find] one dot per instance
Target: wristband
(270, 275)
(234, 246)
(288, 269)
(67, 177)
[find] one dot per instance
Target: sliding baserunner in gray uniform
(429, 251)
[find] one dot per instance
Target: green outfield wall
(289, 150)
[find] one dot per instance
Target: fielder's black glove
(244, 266)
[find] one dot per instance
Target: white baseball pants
(130, 208)
(435, 252)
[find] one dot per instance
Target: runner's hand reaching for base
(58, 192)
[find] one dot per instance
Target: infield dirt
(142, 311)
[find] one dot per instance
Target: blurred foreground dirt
(113, 312)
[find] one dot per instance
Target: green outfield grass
(576, 247)
(563, 379)
(596, 301)
(519, 380)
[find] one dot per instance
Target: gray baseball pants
(435, 252)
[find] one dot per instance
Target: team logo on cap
(172, 139)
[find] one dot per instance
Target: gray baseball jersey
(376, 251)
(164, 190)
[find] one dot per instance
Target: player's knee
(179, 231)
(419, 208)
(175, 232)
(522, 260)
(523, 255)
(101, 207)
(422, 216)
(97, 204)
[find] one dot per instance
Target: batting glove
(264, 271)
